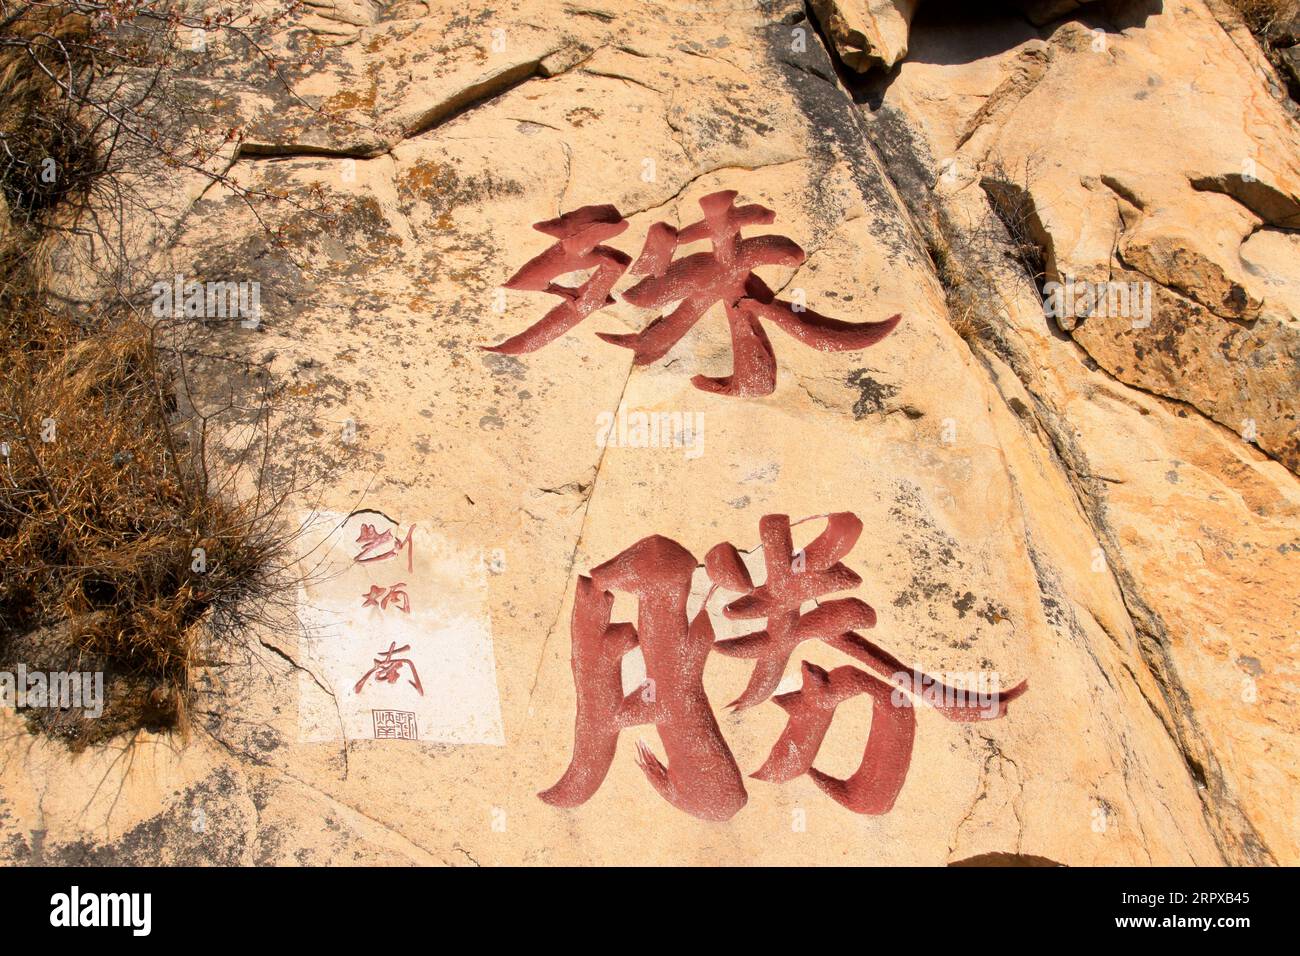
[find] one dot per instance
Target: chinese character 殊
(725, 276)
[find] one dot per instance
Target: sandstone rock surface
(867, 33)
(1075, 503)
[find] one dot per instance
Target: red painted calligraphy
(701, 776)
(695, 283)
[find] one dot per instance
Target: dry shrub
(967, 316)
(48, 152)
(1011, 198)
(968, 303)
(107, 488)
(103, 503)
(101, 97)
(1265, 17)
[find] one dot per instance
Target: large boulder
(1057, 501)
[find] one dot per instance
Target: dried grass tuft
(103, 503)
(1265, 17)
(122, 544)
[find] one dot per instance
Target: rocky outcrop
(1069, 500)
(948, 125)
(1182, 230)
(872, 34)
(1219, 332)
(867, 33)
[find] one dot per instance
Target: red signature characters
(382, 597)
(381, 547)
(701, 776)
(388, 668)
(695, 283)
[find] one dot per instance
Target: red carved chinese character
(792, 580)
(370, 540)
(701, 776)
(726, 275)
(695, 283)
(954, 703)
(388, 669)
(579, 234)
(381, 597)
(875, 785)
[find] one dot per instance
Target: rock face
(867, 33)
(1070, 500)
(1186, 228)
(1291, 61)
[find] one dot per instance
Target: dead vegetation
(49, 153)
(967, 299)
(964, 258)
(1276, 25)
(1009, 194)
(1266, 18)
(125, 541)
(116, 538)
